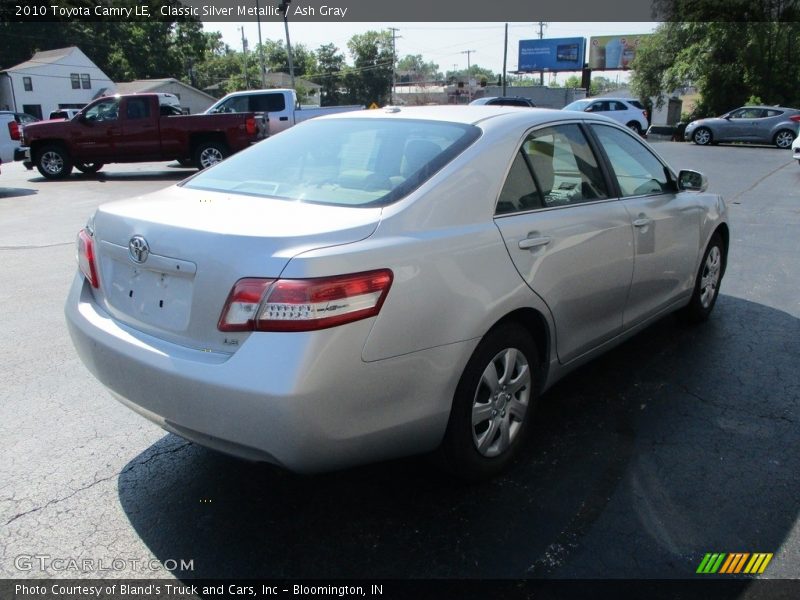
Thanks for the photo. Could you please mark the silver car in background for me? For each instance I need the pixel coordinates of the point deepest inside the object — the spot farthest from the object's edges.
(755, 124)
(391, 282)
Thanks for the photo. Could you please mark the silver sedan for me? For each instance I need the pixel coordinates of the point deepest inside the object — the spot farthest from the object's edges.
(372, 285)
(755, 124)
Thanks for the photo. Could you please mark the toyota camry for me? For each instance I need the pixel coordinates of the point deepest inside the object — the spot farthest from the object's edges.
(392, 282)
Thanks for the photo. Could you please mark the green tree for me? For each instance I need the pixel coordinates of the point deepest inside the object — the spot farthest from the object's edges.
(370, 78)
(330, 64)
(413, 69)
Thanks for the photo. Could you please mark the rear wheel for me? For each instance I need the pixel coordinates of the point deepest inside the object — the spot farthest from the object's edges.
(89, 168)
(53, 162)
(635, 127)
(706, 287)
(702, 137)
(207, 154)
(783, 139)
(493, 404)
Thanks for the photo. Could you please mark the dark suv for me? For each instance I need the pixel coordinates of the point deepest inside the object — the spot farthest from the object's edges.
(505, 101)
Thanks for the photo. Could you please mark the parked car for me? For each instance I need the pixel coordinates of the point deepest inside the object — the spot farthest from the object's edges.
(11, 124)
(378, 284)
(796, 149)
(630, 113)
(756, 124)
(132, 128)
(64, 113)
(505, 101)
(278, 109)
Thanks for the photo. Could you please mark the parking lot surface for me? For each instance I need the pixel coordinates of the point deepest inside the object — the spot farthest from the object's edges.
(680, 442)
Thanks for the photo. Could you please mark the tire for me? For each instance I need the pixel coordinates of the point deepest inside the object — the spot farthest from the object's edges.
(783, 139)
(706, 285)
(492, 406)
(703, 136)
(207, 154)
(53, 162)
(89, 168)
(635, 127)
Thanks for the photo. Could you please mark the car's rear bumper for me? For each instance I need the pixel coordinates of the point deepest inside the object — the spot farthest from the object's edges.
(304, 401)
(22, 153)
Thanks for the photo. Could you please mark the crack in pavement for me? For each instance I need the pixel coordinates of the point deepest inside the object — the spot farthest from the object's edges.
(97, 481)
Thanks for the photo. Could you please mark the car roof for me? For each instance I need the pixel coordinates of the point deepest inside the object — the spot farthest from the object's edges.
(471, 114)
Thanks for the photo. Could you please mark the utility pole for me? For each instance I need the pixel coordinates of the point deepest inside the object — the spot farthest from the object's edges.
(394, 31)
(261, 49)
(244, 60)
(283, 8)
(505, 58)
(542, 25)
(469, 72)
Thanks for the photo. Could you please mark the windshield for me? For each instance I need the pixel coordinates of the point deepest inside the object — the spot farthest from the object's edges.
(577, 105)
(345, 162)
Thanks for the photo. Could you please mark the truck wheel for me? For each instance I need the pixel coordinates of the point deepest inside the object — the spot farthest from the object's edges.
(207, 154)
(89, 168)
(54, 162)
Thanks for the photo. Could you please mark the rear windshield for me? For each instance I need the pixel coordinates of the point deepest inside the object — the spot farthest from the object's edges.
(345, 162)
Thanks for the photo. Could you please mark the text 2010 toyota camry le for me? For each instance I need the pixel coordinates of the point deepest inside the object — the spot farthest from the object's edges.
(377, 284)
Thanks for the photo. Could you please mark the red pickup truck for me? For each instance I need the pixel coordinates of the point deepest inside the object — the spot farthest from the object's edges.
(133, 128)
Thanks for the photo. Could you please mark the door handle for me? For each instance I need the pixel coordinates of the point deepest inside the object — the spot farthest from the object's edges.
(533, 242)
(642, 222)
(283, 119)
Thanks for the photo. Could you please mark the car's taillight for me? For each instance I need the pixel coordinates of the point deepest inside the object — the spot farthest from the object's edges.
(644, 113)
(304, 304)
(13, 130)
(795, 118)
(250, 126)
(87, 257)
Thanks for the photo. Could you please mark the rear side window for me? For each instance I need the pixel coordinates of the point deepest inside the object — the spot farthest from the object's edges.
(345, 162)
(637, 170)
(564, 166)
(519, 191)
(267, 103)
(137, 108)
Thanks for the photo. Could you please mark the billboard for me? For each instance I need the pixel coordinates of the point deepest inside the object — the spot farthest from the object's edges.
(609, 52)
(557, 54)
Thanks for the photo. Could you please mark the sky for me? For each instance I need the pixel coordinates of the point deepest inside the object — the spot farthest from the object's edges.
(441, 43)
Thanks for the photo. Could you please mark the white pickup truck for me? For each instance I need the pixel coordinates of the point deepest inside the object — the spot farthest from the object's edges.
(279, 107)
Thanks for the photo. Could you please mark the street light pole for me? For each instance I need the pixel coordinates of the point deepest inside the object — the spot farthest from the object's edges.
(283, 7)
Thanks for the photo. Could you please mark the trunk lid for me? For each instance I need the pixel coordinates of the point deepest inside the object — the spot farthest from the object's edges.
(194, 245)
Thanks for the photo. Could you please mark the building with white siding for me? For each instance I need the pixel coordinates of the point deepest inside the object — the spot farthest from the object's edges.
(192, 100)
(53, 79)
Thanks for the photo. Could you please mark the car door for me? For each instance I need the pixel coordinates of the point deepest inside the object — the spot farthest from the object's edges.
(94, 135)
(273, 104)
(567, 238)
(745, 123)
(140, 137)
(665, 224)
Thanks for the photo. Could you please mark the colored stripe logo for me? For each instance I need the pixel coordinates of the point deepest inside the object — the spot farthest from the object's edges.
(733, 563)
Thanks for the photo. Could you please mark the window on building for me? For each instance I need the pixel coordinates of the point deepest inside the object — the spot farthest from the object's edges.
(27, 84)
(76, 81)
(86, 81)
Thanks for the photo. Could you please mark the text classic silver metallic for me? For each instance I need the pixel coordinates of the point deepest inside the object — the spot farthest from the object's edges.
(377, 284)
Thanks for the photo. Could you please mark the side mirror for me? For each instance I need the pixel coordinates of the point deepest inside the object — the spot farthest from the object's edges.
(692, 181)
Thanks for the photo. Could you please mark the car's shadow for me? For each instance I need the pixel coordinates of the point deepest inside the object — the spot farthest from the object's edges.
(177, 174)
(16, 192)
(680, 442)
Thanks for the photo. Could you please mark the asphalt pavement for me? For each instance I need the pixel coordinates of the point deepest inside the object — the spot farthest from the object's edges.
(680, 442)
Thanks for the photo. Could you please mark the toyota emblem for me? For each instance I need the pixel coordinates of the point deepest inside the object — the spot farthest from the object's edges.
(138, 249)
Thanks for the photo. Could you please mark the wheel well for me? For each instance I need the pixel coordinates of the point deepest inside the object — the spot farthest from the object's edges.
(536, 325)
(200, 138)
(725, 234)
(38, 144)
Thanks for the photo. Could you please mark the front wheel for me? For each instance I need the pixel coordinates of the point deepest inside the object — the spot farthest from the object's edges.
(784, 139)
(706, 286)
(702, 137)
(54, 162)
(89, 168)
(208, 154)
(493, 404)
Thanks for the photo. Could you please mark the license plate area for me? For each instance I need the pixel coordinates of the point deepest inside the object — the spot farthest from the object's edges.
(160, 297)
